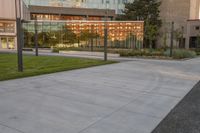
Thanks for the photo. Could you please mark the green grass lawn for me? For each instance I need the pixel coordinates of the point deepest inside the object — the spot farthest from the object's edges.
(42, 65)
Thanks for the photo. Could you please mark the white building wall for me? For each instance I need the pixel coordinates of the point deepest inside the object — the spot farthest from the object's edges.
(195, 9)
(7, 15)
(7, 9)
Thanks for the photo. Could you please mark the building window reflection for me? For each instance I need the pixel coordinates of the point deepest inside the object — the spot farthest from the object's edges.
(84, 31)
(7, 27)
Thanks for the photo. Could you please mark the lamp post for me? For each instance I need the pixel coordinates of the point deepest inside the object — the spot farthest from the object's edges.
(172, 39)
(92, 38)
(36, 36)
(182, 34)
(106, 32)
(19, 35)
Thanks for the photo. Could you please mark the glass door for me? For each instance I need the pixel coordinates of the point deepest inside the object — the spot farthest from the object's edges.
(4, 43)
(11, 43)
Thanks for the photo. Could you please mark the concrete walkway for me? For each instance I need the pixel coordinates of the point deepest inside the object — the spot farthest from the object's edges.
(128, 97)
(76, 54)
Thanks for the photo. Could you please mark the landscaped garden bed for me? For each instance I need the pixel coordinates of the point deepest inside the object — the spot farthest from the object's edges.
(142, 53)
(159, 54)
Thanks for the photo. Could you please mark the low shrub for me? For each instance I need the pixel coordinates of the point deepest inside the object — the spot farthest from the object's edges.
(197, 50)
(124, 53)
(27, 49)
(55, 50)
(143, 52)
(181, 53)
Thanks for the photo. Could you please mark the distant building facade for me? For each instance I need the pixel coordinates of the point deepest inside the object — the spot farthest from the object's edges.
(69, 13)
(117, 5)
(185, 14)
(122, 34)
(54, 17)
(7, 24)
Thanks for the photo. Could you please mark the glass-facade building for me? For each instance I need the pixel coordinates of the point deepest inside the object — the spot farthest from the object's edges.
(80, 25)
(117, 5)
(121, 34)
(64, 13)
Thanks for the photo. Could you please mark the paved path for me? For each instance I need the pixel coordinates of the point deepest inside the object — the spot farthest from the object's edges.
(128, 97)
(76, 54)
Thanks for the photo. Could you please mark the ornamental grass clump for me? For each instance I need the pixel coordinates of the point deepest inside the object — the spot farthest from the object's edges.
(181, 53)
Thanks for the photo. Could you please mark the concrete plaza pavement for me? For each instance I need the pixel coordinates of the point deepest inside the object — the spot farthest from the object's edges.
(73, 54)
(127, 97)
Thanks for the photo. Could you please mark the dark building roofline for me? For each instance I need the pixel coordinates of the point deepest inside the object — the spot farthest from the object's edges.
(7, 19)
(193, 20)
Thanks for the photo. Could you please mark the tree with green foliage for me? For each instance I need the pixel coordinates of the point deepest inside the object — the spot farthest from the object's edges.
(150, 33)
(69, 37)
(198, 41)
(28, 39)
(147, 11)
(177, 34)
(44, 39)
(85, 36)
(164, 46)
(53, 38)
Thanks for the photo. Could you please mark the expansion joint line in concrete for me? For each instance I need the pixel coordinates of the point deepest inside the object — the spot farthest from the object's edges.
(108, 115)
(15, 129)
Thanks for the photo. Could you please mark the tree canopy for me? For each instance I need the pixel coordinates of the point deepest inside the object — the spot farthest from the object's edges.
(143, 10)
(147, 11)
